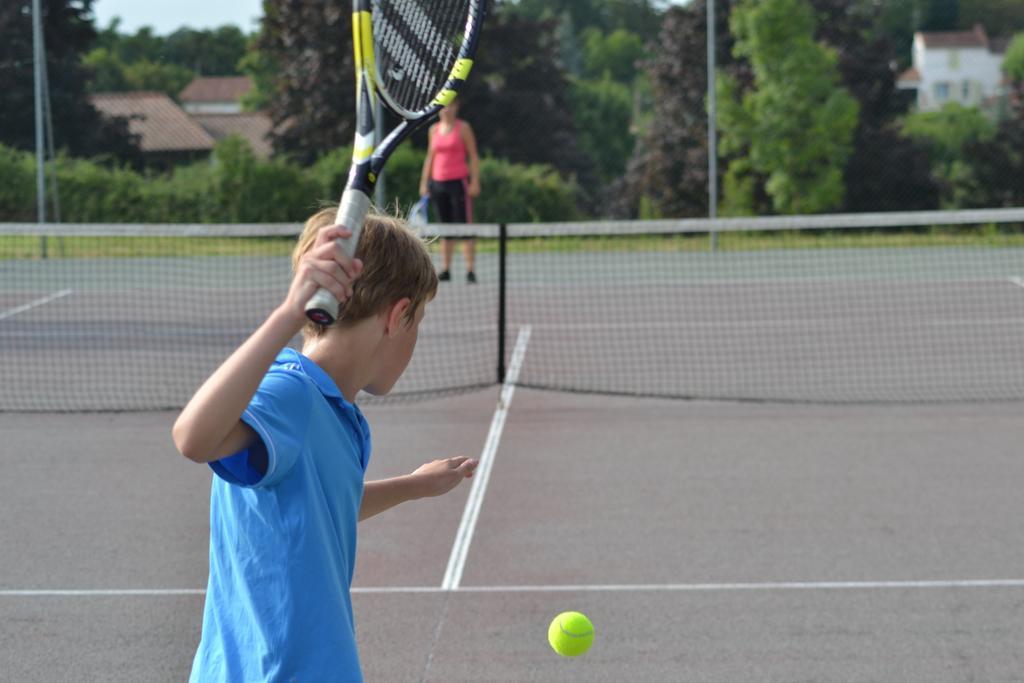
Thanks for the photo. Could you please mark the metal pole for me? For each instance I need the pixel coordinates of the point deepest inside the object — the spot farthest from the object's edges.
(712, 126)
(50, 144)
(37, 57)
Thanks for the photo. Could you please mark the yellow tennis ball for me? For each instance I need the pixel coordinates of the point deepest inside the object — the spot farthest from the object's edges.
(571, 634)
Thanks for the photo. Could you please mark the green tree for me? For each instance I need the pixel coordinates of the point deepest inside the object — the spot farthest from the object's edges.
(936, 15)
(402, 175)
(642, 17)
(517, 99)
(313, 98)
(947, 134)
(107, 71)
(947, 131)
(262, 69)
(17, 185)
(143, 44)
(146, 61)
(602, 110)
(110, 74)
(513, 192)
(997, 166)
(796, 126)
(1013, 66)
(999, 17)
(896, 26)
(69, 33)
(668, 172)
(568, 46)
(899, 19)
(245, 186)
(147, 75)
(525, 192)
(1013, 62)
(212, 52)
(887, 171)
(616, 54)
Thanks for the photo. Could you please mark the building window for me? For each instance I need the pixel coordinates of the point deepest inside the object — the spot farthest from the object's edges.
(954, 59)
(966, 91)
(941, 92)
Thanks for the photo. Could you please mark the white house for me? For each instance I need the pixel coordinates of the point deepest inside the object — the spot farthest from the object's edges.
(215, 103)
(955, 66)
(215, 94)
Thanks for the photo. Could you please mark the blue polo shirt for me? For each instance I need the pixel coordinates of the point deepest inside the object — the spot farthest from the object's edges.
(283, 517)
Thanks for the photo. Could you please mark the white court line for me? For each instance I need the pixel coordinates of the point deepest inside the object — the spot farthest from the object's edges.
(33, 304)
(1017, 281)
(868, 278)
(464, 536)
(125, 592)
(597, 588)
(634, 325)
(772, 322)
(707, 587)
(722, 587)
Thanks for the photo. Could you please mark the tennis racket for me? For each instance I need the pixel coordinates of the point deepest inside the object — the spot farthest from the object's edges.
(419, 214)
(415, 56)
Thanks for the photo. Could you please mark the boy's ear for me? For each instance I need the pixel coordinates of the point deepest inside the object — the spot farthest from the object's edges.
(397, 316)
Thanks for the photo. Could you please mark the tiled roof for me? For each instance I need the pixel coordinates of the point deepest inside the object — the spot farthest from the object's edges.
(216, 89)
(162, 126)
(253, 127)
(911, 75)
(956, 39)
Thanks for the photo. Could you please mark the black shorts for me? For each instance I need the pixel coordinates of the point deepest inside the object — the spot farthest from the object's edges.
(451, 200)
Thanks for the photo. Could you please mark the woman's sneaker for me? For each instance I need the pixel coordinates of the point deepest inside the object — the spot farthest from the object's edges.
(444, 276)
(471, 277)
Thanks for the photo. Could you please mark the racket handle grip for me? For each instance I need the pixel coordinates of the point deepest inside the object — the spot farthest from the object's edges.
(322, 307)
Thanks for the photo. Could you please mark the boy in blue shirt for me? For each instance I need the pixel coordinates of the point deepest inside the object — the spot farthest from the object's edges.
(289, 448)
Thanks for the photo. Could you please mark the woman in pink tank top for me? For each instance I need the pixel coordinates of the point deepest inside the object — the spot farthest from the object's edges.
(451, 176)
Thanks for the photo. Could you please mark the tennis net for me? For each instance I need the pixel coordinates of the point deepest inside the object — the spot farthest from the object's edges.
(861, 308)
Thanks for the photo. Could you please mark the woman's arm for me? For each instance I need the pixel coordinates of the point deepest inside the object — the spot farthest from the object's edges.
(432, 479)
(469, 139)
(210, 425)
(428, 162)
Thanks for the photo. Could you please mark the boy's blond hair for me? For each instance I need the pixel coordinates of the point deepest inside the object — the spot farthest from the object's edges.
(396, 265)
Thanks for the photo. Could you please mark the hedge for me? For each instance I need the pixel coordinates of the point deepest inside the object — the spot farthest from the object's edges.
(235, 186)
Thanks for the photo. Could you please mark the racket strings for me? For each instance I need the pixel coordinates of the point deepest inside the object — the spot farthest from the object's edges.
(417, 43)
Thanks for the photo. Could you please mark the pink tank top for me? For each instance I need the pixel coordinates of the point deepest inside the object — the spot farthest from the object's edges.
(449, 154)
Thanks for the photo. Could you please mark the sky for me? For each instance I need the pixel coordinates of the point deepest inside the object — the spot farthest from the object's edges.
(166, 16)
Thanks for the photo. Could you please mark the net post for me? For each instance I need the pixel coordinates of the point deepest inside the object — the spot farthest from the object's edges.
(502, 244)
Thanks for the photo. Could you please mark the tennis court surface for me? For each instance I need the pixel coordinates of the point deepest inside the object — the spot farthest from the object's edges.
(819, 482)
(707, 541)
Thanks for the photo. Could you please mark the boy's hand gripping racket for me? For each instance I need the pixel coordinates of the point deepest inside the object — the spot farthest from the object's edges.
(415, 55)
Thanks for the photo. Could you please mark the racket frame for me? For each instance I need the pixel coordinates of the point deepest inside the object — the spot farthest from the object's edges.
(369, 156)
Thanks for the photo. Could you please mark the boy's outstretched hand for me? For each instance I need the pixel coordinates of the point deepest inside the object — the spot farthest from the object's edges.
(432, 479)
(325, 265)
(441, 476)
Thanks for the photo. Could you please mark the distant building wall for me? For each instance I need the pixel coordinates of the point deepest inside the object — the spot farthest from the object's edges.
(212, 107)
(954, 67)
